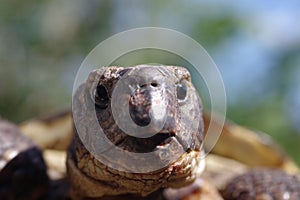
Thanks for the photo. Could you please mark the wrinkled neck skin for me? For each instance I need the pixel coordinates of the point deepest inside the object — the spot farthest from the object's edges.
(156, 96)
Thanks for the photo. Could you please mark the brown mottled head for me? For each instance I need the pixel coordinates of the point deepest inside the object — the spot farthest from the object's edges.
(158, 100)
(139, 120)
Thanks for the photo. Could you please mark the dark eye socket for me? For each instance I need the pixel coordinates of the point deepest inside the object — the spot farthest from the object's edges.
(181, 91)
(101, 97)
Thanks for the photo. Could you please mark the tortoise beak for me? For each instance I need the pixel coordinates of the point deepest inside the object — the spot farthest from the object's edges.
(150, 104)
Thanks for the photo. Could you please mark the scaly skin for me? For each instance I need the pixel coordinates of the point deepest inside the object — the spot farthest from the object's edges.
(263, 184)
(165, 83)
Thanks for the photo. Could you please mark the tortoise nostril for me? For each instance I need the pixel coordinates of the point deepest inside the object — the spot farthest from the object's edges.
(154, 84)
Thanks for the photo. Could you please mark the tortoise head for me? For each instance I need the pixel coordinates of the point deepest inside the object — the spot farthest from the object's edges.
(139, 120)
(145, 107)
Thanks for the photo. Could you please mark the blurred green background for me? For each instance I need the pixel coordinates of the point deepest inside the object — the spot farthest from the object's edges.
(255, 44)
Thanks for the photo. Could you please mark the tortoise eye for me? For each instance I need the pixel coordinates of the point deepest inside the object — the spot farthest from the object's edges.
(101, 97)
(181, 91)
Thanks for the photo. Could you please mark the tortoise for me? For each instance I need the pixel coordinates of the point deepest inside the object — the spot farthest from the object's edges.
(164, 121)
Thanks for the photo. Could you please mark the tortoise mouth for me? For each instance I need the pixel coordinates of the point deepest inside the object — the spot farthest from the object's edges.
(146, 145)
(162, 139)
